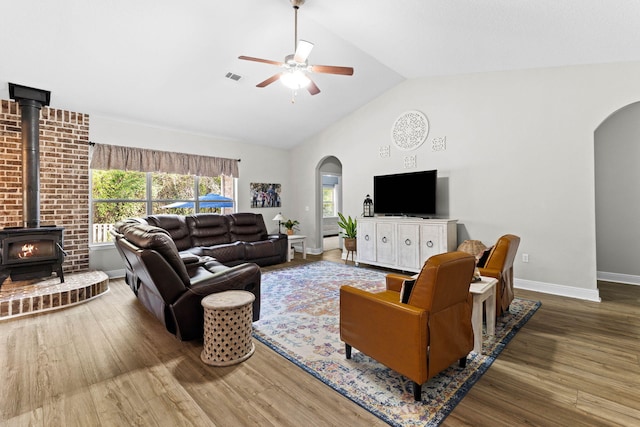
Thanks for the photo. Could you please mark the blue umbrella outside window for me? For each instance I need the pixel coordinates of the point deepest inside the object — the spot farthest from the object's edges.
(210, 200)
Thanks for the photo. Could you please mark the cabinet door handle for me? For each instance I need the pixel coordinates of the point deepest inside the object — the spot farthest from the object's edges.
(366, 237)
(384, 240)
(407, 242)
(429, 244)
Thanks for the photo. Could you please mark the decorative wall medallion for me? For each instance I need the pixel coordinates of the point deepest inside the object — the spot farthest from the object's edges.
(410, 130)
(384, 151)
(439, 144)
(410, 162)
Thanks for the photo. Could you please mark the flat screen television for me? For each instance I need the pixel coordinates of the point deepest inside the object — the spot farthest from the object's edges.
(410, 194)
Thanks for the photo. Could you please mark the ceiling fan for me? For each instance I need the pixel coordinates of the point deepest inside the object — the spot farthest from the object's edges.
(296, 66)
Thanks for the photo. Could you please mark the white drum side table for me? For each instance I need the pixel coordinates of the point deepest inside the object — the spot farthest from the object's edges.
(227, 328)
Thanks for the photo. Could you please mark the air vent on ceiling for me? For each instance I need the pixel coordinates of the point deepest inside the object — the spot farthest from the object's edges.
(233, 76)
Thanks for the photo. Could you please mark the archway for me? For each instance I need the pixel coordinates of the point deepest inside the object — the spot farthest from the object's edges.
(616, 150)
(328, 198)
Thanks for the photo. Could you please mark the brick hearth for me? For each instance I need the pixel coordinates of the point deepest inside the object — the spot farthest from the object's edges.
(33, 296)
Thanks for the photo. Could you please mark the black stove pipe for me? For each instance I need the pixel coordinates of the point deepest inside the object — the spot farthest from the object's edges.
(30, 111)
(31, 101)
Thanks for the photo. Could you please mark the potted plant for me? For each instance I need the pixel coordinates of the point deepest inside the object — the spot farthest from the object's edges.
(350, 230)
(290, 225)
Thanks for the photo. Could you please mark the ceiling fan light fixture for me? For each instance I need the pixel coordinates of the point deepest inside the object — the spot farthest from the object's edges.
(297, 65)
(295, 79)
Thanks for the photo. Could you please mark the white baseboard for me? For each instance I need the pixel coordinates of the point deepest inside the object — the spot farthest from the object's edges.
(627, 279)
(561, 290)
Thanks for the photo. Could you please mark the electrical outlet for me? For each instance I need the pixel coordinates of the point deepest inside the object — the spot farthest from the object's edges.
(525, 257)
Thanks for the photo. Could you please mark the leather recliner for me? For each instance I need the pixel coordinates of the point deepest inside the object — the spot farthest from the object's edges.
(499, 265)
(171, 285)
(422, 337)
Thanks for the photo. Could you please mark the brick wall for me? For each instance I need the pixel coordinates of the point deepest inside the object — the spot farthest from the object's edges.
(64, 176)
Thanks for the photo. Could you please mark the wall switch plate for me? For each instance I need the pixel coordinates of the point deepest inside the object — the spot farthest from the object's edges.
(525, 257)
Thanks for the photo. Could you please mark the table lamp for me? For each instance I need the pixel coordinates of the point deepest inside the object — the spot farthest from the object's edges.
(278, 218)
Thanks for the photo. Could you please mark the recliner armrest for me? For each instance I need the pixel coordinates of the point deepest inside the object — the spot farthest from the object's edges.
(193, 262)
(490, 272)
(189, 259)
(206, 282)
(277, 236)
(394, 281)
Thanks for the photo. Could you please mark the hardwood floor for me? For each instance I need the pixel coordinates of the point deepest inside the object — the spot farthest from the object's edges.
(109, 362)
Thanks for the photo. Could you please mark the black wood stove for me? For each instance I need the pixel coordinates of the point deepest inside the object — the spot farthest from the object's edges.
(32, 251)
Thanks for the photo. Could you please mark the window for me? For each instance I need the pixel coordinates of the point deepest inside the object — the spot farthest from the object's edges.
(329, 201)
(118, 194)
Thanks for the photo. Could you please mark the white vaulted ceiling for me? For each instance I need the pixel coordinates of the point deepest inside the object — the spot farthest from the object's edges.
(164, 62)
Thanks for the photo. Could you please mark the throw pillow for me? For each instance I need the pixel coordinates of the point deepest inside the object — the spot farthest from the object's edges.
(482, 260)
(405, 291)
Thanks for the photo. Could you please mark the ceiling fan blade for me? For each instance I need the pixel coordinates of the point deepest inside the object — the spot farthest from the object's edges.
(302, 51)
(266, 61)
(313, 88)
(269, 80)
(330, 69)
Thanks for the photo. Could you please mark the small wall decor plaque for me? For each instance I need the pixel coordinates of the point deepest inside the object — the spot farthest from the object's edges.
(439, 144)
(410, 162)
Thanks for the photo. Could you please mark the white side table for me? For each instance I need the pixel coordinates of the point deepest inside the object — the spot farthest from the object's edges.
(293, 239)
(484, 292)
(228, 320)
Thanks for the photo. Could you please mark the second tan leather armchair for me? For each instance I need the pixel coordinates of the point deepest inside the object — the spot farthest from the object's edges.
(499, 265)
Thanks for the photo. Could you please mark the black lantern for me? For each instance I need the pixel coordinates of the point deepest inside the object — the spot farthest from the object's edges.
(367, 207)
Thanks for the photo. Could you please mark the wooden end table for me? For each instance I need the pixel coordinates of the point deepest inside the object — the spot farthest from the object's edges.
(293, 239)
(484, 293)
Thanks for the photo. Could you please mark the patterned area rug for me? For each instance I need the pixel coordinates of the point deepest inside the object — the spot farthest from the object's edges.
(299, 320)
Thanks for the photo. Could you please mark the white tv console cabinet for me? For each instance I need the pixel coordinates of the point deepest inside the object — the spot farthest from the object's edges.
(403, 243)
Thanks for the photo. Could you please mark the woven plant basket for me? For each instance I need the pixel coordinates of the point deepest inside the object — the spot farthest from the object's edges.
(350, 244)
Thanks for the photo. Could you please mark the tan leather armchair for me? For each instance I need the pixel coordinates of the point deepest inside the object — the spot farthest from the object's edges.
(499, 265)
(423, 337)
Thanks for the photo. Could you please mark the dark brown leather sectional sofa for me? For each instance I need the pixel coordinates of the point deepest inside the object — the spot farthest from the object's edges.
(231, 239)
(174, 261)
